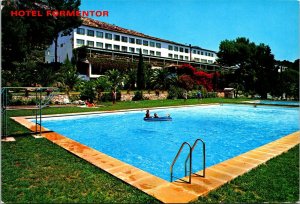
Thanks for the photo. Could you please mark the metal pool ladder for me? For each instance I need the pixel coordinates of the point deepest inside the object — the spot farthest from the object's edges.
(189, 158)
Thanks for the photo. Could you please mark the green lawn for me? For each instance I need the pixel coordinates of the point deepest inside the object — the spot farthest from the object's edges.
(38, 171)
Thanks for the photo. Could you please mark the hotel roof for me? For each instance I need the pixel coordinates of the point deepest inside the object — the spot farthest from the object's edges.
(106, 26)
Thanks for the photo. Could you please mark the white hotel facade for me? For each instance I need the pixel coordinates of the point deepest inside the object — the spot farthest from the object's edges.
(111, 40)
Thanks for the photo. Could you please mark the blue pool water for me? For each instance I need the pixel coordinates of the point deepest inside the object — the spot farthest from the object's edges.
(288, 103)
(227, 130)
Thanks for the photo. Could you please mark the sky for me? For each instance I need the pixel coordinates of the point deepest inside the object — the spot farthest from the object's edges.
(205, 23)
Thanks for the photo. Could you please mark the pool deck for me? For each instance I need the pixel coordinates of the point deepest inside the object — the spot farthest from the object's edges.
(177, 191)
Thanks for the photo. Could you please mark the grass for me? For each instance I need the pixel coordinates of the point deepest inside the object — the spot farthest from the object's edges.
(38, 171)
(276, 181)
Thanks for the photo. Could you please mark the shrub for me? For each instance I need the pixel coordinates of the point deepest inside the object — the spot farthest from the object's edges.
(74, 97)
(138, 95)
(175, 92)
(107, 96)
(88, 91)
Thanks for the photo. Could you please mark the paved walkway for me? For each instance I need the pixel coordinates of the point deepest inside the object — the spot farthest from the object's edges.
(177, 191)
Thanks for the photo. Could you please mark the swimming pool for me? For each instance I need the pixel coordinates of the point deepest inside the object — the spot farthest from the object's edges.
(228, 131)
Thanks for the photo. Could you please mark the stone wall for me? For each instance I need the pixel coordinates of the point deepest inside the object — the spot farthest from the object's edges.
(147, 96)
(57, 99)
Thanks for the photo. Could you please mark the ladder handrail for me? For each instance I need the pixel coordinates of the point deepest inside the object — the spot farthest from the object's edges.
(46, 100)
(176, 157)
(204, 156)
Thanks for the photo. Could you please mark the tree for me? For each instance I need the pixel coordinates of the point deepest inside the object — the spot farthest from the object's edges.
(102, 84)
(115, 78)
(265, 71)
(130, 79)
(21, 36)
(160, 78)
(256, 70)
(140, 79)
(186, 82)
(68, 76)
(288, 79)
(88, 92)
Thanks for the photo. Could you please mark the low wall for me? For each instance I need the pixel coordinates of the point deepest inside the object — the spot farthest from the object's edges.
(147, 96)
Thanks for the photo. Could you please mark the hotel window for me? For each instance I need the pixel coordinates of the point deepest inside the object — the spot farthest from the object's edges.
(186, 58)
(152, 52)
(145, 42)
(170, 55)
(212, 54)
(131, 49)
(116, 47)
(210, 61)
(196, 59)
(124, 48)
(181, 57)
(124, 39)
(108, 46)
(203, 60)
(175, 56)
(170, 47)
(138, 41)
(117, 37)
(90, 43)
(99, 34)
(80, 31)
(138, 50)
(91, 33)
(198, 52)
(205, 53)
(145, 52)
(132, 40)
(201, 53)
(99, 44)
(80, 42)
(152, 44)
(158, 54)
(108, 36)
(158, 45)
(194, 51)
(175, 48)
(186, 50)
(180, 49)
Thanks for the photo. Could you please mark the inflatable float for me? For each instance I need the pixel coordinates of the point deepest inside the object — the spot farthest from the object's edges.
(151, 119)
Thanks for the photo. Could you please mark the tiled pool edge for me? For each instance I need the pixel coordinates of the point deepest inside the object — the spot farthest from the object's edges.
(175, 192)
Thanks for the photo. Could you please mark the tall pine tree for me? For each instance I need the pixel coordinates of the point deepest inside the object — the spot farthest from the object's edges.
(140, 79)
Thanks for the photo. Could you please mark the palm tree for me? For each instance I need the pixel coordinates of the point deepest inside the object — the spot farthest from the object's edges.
(160, 78)
(130, 79)
(102, 84)
(115, 78)
(68, 76)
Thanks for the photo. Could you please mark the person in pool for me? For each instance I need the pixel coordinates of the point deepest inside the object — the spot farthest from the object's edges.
(155, 115)
(147, 114)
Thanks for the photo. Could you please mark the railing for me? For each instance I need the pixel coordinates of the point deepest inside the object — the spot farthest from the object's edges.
(189, 158)
(40, 104)
(176, 157)
(203, 159)
(4, 121)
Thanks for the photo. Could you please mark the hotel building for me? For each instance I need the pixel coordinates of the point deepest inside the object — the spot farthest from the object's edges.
(115, 43)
